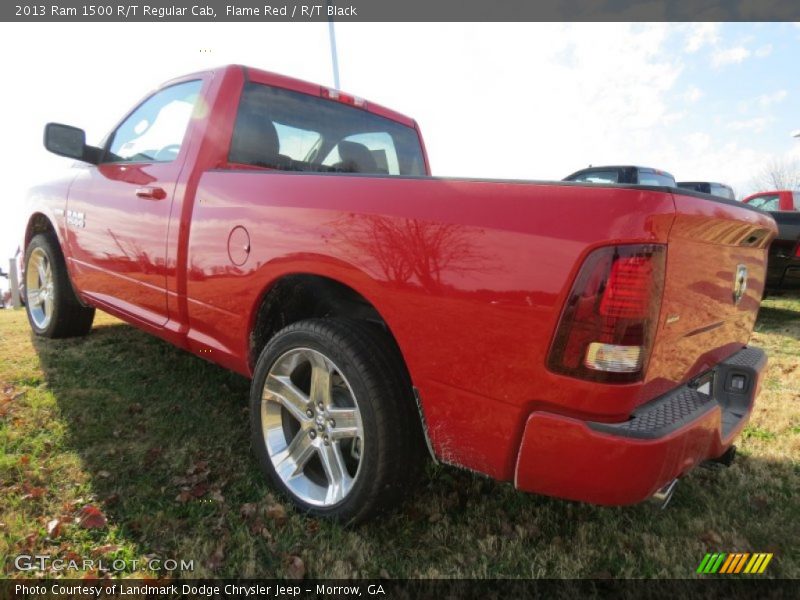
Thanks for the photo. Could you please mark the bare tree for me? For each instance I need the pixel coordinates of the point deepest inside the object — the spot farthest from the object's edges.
(409, 250)
(778, 174)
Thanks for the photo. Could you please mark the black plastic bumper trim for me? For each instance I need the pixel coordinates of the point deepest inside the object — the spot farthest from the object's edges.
(670, 412)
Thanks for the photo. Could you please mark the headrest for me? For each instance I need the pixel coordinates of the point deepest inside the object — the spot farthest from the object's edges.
(357, 157)
(255, 139)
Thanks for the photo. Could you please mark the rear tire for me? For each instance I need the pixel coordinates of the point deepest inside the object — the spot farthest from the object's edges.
(333, 422)
(53, 309)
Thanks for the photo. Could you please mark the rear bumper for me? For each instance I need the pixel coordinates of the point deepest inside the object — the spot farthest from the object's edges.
(625, 463)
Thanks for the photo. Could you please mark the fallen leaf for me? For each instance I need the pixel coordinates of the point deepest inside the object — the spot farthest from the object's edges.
(197, 467)
(183, 497)
(200, 490)
(217, 496)
(30, 541)
(53, 528)
(91, 517)
(257, 526)
(295, 567)
(277, 513)
(216, 559)
(312, 526)
(33, 493)
(25, 459)
(711, 538)
(152, 455)
(248, 510)
(105, 550)
(384, 574)
(111, 500)
(104, 474)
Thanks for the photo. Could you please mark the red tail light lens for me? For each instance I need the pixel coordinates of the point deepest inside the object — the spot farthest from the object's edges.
(609, 321)
(797, 251)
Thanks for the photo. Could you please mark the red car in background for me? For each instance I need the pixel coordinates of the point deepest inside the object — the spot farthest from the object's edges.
(587, 342)
(783, 267)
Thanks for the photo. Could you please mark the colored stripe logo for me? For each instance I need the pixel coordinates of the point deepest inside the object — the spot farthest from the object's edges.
(735, 563)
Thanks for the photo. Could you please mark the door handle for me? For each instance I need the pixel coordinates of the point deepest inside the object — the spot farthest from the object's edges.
(151, 193)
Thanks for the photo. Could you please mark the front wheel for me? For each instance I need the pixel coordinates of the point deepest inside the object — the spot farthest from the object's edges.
(50, 302)
(332, 426)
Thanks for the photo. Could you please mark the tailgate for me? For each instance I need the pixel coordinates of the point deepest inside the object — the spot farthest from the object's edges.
(716, 267)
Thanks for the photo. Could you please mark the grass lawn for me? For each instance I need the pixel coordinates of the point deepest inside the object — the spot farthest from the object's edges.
(119, 446)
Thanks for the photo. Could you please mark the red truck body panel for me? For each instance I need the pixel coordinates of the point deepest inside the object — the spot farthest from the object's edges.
(470, 277)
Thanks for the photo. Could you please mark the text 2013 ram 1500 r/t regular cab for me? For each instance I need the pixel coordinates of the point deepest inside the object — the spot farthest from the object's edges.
(584, 342)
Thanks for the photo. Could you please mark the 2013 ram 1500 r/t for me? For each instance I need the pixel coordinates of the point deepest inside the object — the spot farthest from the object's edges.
(584, 342)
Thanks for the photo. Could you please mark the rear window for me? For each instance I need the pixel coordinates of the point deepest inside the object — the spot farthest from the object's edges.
(653, 178)
(723, 191)
(697, 187)
(766, 202)
(611, 176)
(286, 130)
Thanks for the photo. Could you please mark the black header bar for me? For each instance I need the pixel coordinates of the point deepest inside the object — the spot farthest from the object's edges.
(400, 10)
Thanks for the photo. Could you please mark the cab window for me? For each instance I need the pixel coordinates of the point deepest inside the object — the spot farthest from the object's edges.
(291, 131)
(154, 131)
(767, 202)
(597, 177)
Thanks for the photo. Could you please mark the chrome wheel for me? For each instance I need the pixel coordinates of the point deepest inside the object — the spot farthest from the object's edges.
(312, 427)
(39, 288)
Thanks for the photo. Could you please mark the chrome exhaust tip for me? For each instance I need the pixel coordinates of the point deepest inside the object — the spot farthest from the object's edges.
(662, 497)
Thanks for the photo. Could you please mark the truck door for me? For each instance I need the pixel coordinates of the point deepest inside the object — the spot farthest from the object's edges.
(118, 211)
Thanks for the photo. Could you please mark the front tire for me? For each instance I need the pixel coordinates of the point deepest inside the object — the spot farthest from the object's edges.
(53, 309)
(332, 420)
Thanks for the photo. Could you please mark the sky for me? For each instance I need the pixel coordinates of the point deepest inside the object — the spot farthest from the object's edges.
(704, 101)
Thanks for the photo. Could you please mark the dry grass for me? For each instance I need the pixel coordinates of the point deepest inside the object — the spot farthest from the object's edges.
(125, 423)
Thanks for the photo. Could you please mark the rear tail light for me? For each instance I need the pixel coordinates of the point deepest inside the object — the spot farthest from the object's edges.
(797, 251)
(609, 321)
(332, 94)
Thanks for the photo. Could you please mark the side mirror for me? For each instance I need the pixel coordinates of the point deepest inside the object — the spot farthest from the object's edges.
(68, 141)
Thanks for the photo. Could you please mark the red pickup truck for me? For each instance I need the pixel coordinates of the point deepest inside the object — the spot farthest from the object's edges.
(584, 342)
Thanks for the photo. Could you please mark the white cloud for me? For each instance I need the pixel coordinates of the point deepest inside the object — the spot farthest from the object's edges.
(764, 51)
(767, 100)
(754, 125)
(729, 56)
(693, 94)
(701, 34)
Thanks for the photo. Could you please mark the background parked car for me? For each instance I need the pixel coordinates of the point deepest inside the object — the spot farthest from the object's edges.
(783, 268)
(623, 174)
(777, 200)
(709, 187)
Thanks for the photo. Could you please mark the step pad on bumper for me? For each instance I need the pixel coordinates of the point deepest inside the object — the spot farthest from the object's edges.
(732, 382)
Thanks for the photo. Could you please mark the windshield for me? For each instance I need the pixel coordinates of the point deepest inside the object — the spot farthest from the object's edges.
(290, 131)
(653, 178)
